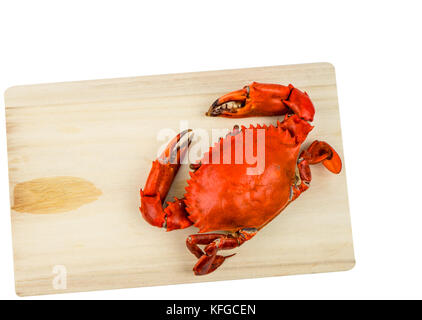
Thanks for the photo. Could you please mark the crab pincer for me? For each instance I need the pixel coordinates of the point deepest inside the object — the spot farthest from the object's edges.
(322, 152)
(176, 149)
(262, 99)
(159, 181)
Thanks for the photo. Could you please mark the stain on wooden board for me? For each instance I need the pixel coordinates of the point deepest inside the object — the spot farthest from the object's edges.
(53, 195)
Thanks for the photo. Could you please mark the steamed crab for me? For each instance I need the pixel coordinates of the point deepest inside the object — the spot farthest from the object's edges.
(223, 196)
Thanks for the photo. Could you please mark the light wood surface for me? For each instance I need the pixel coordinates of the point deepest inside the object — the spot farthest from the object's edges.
(101, 136)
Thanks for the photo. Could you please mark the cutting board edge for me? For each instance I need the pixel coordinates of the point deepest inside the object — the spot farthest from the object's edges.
(329, 268)
(10, 90)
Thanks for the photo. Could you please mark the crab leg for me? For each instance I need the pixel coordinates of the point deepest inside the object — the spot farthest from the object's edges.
(321, 151)
(208, 260)
(317, 152)
(159, 181)
(262, 99)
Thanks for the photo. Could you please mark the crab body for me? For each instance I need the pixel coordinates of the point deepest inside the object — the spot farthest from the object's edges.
(225, 197)
(226, 191)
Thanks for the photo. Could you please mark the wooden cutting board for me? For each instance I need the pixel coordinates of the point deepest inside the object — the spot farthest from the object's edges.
(80, 151)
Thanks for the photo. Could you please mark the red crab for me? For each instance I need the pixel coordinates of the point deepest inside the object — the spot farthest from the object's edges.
(224, 196)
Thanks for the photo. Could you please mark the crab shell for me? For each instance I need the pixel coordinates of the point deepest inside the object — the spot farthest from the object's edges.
(227, 197)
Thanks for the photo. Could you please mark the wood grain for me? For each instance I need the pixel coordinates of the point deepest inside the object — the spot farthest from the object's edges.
(105, 132)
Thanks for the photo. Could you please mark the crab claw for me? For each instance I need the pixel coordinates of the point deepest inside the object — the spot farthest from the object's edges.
(166, 166)
(320, 151)
(229, 104)
(260, 99)
(160, 178)
(176, 150)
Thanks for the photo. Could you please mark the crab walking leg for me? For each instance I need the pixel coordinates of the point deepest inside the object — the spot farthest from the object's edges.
(194, 240)
(159, 181)
(208, 260)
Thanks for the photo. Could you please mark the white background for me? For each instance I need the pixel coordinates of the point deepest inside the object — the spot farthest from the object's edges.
(376, 49)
